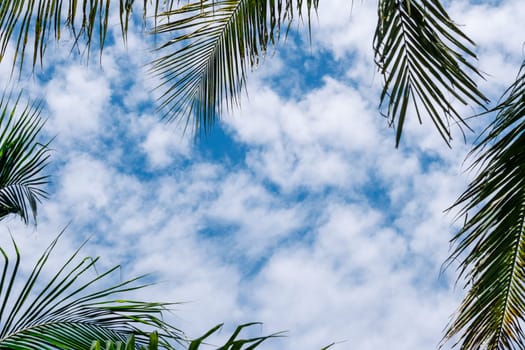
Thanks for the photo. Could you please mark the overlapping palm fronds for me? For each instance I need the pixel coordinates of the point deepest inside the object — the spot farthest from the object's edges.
(129, 344)
(491, 245)
(30, 25)
(424, 58)
(22, 160)
(71, 311)
(232, 343)
(212, 45)
(33, 22)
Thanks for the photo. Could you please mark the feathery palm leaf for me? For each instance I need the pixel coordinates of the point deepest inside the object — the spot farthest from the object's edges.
(213, 44)
(423, 56)
(233, 343)
(35, 22)
(22, 160)
(129, 344)
(67, 313)
(491, 245)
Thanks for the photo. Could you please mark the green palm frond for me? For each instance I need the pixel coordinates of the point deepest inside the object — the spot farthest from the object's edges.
(424, 58)
(70, 311)
(22, 160)
(212, 45)
(35, 22)
(233, 343)
(31, 25)
(491, 245)
(129, 344)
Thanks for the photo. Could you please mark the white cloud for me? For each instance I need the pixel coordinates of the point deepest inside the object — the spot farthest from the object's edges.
(316, 141)
(78, 100)
(353, 285)
(163, 143)
(346, 27)
(261, 219)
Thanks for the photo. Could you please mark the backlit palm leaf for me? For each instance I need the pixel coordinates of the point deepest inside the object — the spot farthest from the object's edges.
(491, 244)
(70, 311)
(33, 22)
(22, 160)
(233, 343)
(212, 45)
(30, 25)
(424, 58)
(129, 344)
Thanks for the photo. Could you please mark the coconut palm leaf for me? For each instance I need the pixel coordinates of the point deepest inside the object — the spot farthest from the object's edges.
(29, 25)
(425, 60)
(233, 343)
(491, 245)
(212, 45)
(129, 344)
(22, 160)
(72, 310)
(222, 39)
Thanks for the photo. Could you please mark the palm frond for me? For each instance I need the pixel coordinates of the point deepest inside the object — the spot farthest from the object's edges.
(22, 160)
(233, 342)
(70, 311)
(424, 58)
(35, 22)
(491, 245)
(30, 25)
(212, 45)
(129, 344)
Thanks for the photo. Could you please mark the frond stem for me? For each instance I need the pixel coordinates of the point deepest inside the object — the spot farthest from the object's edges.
(514, 271)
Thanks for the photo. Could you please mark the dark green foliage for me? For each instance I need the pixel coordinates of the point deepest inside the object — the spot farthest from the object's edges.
(72, 310)
(207, 48)
(35, 22)
(491, 245)
(424, 59)
(212, 46)
(233, 343)
(22, 160)
(129, 344)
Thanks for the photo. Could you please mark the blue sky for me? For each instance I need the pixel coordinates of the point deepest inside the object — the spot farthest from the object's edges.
(297, 211)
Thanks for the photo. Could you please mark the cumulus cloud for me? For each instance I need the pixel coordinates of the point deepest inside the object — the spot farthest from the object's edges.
(358, 276)
(77, 100)
(164, 143)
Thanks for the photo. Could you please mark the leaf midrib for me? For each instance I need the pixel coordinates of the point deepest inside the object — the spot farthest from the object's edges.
(513, 272)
